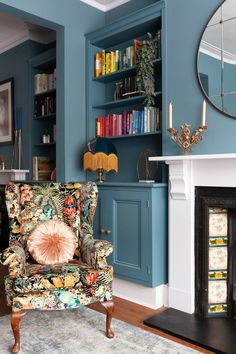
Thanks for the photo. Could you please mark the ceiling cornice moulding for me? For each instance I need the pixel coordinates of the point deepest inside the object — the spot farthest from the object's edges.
(13, 41)
(215, 52)
(105, 7)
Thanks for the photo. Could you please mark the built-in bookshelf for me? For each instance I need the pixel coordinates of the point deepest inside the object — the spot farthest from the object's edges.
(134, 213)
(43, 112)
(112, 97)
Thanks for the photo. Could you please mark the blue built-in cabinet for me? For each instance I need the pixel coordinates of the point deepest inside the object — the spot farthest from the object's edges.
(134, 218)
(132, 215)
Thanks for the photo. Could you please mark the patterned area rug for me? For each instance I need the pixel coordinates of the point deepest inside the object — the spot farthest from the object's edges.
(81, 331)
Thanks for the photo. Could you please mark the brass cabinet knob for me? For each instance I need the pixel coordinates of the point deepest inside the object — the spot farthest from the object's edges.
(105, 232)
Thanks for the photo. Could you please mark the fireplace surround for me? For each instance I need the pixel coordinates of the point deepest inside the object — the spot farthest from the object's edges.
(215, 251)
(185, 174)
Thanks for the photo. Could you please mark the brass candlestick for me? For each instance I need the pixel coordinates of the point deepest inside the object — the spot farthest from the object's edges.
(185, 140)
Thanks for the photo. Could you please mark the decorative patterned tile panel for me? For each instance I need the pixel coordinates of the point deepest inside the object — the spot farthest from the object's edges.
(217, 210)
(218, 241)
(218, 224)
(217, 291)
(218, 274)
(217, 308)
(218, 257)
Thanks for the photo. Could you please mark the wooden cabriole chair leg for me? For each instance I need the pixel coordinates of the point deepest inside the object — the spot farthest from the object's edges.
(16, 317)
(109, 306)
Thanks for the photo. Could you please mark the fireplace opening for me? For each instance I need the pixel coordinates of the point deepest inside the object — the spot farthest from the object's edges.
(215, 251)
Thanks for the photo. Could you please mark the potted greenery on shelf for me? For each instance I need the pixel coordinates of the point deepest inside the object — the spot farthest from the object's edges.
(147, 53)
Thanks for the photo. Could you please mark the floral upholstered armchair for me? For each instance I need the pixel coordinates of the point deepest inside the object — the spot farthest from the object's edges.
(54, 262)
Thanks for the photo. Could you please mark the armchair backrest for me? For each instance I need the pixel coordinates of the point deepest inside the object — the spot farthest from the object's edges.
(31, 203)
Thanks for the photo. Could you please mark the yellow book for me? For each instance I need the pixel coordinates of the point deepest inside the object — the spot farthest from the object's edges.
(108, 63)
(103, 62)
(113, 57)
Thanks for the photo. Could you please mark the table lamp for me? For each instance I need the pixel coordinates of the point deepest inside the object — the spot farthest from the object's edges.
(100, 157)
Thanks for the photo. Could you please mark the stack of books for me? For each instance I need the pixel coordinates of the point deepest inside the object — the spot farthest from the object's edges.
(44, 106)
(42, 168)
(129, 122)
(109, 61)
(44, 82)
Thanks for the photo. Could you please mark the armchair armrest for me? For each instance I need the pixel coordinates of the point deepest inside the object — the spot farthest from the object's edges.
(94, 252)
(14, 258)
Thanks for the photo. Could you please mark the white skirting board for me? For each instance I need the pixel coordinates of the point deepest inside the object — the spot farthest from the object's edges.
(142, 295)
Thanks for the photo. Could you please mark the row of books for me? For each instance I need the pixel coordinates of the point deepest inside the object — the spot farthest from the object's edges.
(44, 106)
(43, 167)
(127, 87)
(44, 82)
(129, 122)
(107, 62)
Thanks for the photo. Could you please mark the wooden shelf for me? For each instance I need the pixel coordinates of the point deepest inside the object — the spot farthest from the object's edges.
(45, 144)
(124, 102)
(48, 116)
(120, 73)
(134, 135)
(46, 93)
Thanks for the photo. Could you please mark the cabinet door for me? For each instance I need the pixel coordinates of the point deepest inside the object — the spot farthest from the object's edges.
(124, 221)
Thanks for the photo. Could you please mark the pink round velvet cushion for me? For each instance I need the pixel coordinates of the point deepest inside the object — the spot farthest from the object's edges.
(52, 242)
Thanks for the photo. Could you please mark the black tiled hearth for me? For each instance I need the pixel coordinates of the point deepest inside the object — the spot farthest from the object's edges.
(215, 334)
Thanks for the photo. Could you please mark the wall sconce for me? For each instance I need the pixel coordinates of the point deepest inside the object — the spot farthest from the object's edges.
(101, 157)
(185, 139)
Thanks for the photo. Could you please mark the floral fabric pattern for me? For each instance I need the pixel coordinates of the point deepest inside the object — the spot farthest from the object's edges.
(14, 258)
(85, 279)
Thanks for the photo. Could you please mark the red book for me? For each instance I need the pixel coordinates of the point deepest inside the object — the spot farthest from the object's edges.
(107, 125)
(102, 126)
(136, 46)
(110, 125)
(115, 125)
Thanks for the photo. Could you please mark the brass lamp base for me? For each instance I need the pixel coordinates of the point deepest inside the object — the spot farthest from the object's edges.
(101, 174)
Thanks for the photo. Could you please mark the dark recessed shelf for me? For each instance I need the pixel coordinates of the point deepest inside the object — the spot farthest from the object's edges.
(124, 102)
(134, 135)
(48, 116)
(120, 73)
(45, 144)
(46, 93)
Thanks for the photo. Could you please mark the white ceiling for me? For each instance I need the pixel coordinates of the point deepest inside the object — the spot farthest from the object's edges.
(105, 5)
(14, 31)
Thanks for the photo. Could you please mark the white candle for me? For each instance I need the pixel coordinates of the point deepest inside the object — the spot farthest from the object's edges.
(170, 115)
(204, 113)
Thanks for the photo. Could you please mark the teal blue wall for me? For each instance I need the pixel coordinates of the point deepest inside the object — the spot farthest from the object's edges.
(72, 19)
(186, 20)
(14, 63)
(184, 24)
(127, 8)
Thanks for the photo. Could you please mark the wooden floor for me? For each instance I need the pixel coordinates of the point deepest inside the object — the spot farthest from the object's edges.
(126, 311)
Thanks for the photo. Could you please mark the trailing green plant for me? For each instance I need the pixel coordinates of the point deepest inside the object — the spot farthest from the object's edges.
(147, 53)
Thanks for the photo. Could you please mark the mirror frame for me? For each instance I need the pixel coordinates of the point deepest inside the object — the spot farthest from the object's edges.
(198, 73)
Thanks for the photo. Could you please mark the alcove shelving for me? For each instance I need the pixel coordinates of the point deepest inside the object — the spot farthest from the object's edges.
(132, 215)
(43, 115)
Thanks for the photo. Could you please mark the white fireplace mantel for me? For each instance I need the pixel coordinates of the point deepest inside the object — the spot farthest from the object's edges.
(185, 173)
(12, 175)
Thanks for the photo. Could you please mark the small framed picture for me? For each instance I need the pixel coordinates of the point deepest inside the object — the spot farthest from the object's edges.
(6, 111)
